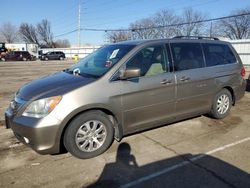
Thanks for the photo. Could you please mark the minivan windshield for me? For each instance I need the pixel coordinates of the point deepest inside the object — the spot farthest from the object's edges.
(100, 61)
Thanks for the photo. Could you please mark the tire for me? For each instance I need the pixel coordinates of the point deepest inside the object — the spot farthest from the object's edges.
(24, 59)
(222, 104)
(82, 141)
(46, 59)
(3, 59)
(61, 58)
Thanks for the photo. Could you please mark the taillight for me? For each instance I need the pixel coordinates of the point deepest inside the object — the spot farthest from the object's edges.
(243, 72)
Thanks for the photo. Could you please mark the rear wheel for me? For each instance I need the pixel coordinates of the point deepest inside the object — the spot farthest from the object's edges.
(89, 134)
(222, 104)
(46, 59)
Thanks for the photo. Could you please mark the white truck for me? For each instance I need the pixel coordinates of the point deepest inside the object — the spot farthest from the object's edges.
(30, 47)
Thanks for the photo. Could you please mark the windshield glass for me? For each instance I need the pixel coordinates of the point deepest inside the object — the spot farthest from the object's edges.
(100, 61)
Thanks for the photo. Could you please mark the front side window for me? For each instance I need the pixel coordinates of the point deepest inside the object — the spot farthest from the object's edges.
(187, 56)
(150, 60)
(218, 54)
(102, 60)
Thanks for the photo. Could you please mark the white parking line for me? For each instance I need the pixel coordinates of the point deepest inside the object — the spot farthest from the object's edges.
(184, 163)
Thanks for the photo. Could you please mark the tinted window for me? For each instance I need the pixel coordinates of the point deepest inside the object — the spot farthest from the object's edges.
(218, 54)
(187, 56)
(150, 60)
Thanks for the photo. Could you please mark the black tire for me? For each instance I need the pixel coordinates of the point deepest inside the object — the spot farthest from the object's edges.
(215, 111)
(46, 59)
(77, 123)
(61, 58)
(3, 59)
(24, 59)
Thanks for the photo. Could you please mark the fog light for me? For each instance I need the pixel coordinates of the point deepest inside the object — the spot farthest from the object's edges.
(26, 140)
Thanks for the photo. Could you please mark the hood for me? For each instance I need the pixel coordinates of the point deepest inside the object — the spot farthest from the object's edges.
(52, 85)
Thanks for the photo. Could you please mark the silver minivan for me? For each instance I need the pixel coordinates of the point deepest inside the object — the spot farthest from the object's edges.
(125, 88)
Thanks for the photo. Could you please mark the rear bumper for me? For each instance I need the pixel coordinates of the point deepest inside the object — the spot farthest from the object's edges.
(39, 134)
(239, 91)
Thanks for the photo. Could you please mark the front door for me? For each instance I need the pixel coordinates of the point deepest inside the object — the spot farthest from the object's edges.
(149, 100)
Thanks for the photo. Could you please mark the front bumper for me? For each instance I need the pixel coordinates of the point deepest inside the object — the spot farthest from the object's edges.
(39, 134)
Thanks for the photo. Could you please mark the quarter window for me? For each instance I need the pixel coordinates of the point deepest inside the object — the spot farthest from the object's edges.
(150, 60)
(187, 56)
(218, 54)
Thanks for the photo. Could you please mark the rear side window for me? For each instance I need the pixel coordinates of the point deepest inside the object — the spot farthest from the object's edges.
(218, 54)
(187, 56)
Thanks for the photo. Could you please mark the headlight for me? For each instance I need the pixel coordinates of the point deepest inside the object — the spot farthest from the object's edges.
(42, 107)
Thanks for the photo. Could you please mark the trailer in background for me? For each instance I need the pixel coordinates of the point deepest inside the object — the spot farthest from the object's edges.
(30, 47)
(81, 52)
(243, 49)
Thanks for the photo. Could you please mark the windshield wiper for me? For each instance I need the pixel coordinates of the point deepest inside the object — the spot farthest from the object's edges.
(81, 74)
(67, 70)
(88, 75)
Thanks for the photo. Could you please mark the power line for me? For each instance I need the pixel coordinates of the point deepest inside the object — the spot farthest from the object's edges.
(67, 33)
(157, 27)
(62, 23)
(171, 25)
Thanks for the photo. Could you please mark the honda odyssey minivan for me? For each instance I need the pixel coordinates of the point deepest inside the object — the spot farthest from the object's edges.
(124, 88)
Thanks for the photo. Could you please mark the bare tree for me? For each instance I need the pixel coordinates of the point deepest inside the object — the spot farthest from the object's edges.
(236, 27)
(190, 28)
(9, 32)
(62, 43)
(45, 33)
(144, 29)
(166, 18)
(28, 33)
(117, 36)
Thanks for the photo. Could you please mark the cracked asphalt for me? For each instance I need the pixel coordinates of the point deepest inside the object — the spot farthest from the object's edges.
(199, 152)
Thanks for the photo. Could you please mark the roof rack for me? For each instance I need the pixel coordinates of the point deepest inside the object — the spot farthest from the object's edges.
(195, 37)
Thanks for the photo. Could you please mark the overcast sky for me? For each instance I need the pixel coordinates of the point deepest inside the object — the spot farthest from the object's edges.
(104, 14)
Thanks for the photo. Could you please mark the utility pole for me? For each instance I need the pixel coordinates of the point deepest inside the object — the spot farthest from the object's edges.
(79, 25)
(211, 29)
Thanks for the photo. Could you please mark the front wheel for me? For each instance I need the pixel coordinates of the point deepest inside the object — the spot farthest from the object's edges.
(89, 134)
(222, 104)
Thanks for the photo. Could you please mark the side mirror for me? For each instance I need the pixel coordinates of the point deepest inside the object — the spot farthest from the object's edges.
(129, 73)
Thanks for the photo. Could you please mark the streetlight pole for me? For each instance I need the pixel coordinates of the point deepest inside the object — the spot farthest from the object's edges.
(79, 25)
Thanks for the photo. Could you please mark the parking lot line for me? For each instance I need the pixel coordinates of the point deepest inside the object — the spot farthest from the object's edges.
(181, 164)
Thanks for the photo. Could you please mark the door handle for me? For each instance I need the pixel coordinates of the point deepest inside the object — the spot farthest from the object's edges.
(166, 81)
(184, 78)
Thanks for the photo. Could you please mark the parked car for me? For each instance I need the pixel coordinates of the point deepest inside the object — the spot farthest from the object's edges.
(56, 55)
(18, 56)
(125, 88)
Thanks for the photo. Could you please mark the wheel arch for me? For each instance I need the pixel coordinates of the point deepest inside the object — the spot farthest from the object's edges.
(230, 89)
(118, 134)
